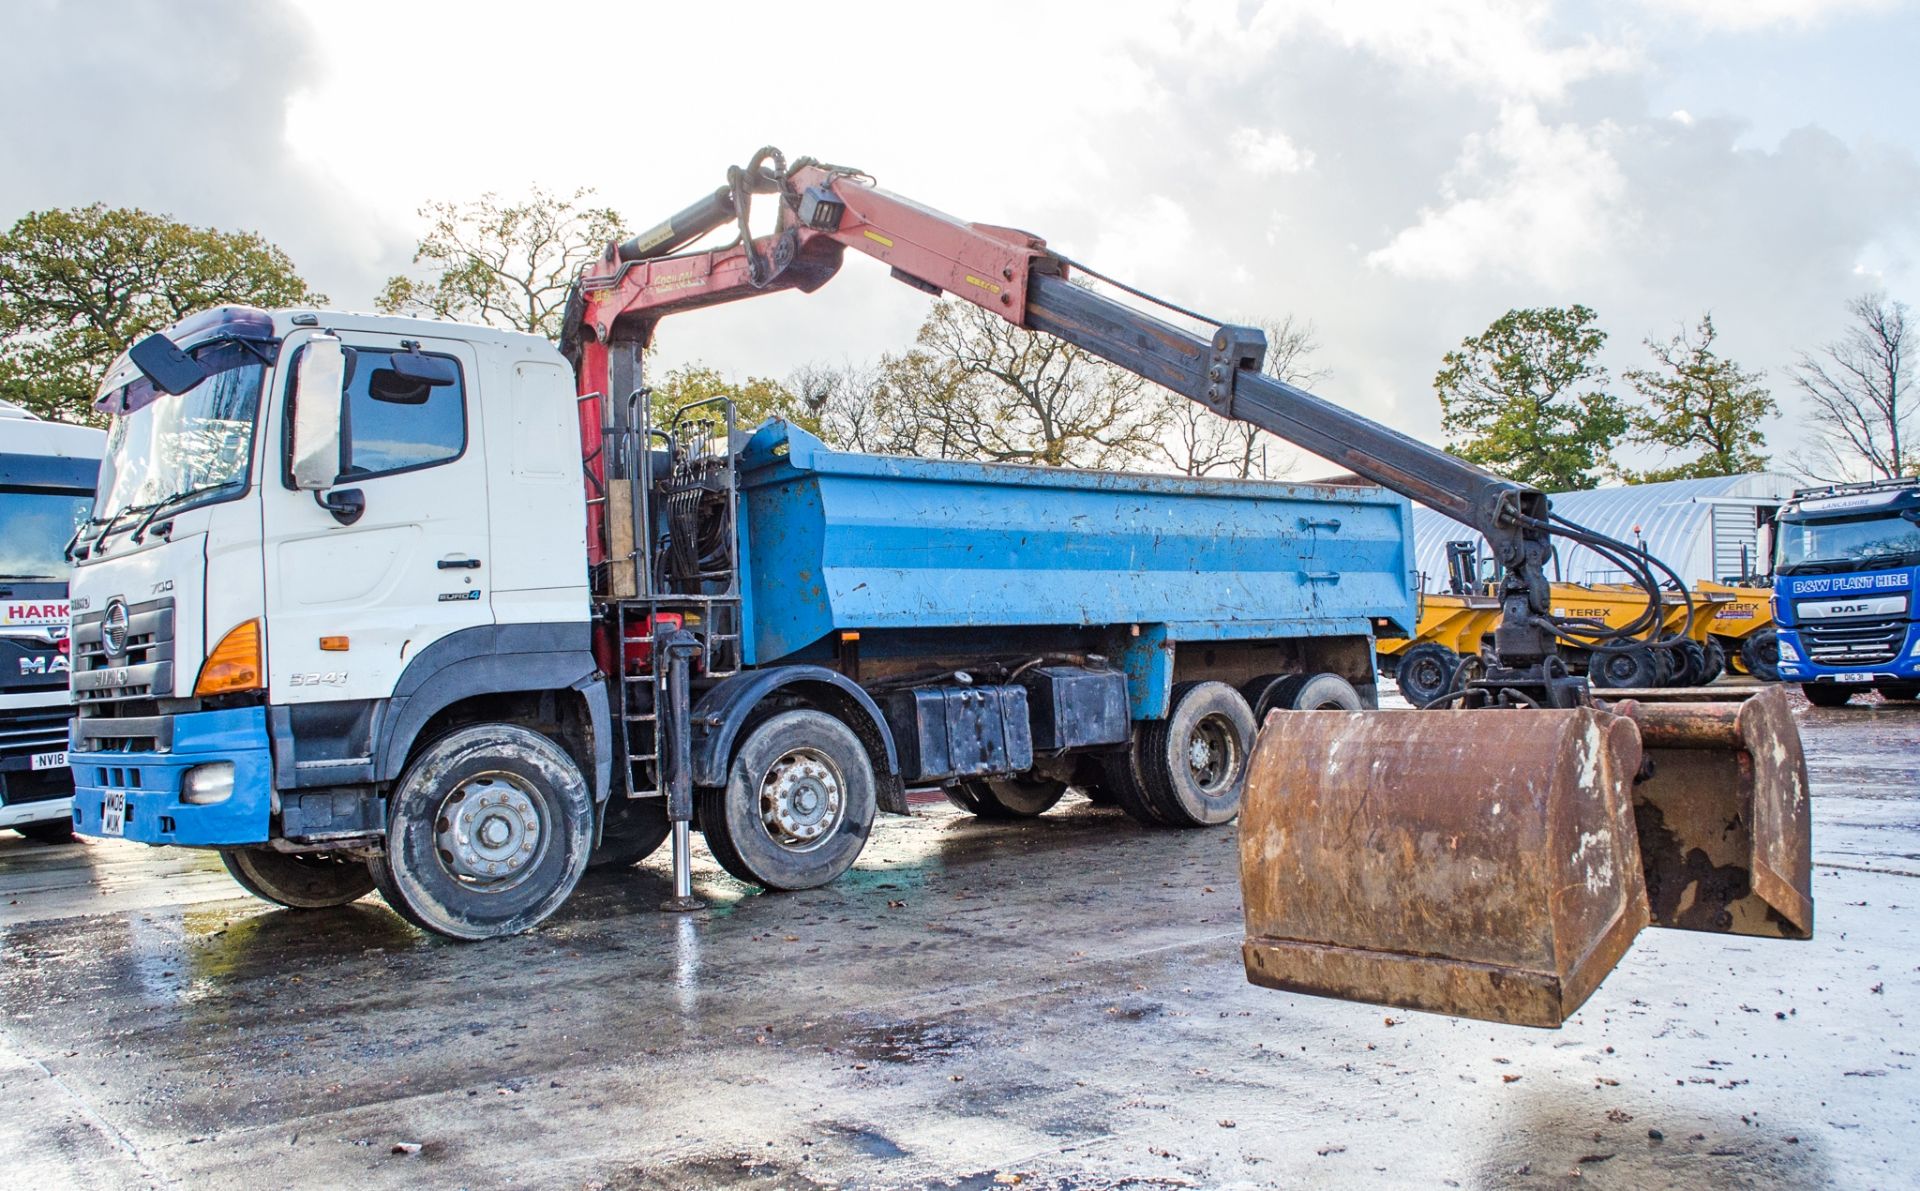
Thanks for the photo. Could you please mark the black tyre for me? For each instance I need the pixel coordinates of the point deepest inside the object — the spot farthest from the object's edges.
(1899, 692)
(798, 804)
(298, 880)
(1271, 692)
(1426, 672)
(1692, 657)
(1632, 668)
(490, 829)
(1761, 653)
(1327, 692)
(1007, 798)
(1716, 661)
(59, 831)
(1829, 694)
(1194, 763)
(635, 829)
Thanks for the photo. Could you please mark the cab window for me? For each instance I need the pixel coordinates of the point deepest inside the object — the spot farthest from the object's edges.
(394, 422)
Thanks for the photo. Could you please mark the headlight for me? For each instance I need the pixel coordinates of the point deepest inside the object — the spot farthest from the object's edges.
(204, 785)
(1788, 653)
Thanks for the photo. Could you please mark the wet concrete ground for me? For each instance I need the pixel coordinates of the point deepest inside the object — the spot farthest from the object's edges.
(1057, 1003)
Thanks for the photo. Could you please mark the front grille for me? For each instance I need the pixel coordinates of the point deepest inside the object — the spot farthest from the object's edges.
(142, 671)
(42, 730)
(1862, 643)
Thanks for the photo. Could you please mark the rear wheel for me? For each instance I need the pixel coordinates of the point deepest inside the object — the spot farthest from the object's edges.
(1692, 657)
(1761, 653)
(1271, 692)
(1426, 672)
(1328, 692)
(635, 829)
(1193, 764)
(491, 828)
(1006, 797)
(798, 804)
(1829, 694)
(60, 831)
(298, 880)
(1633, 667)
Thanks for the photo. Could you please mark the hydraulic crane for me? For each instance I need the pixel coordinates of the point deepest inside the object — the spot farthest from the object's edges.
(1494, 865)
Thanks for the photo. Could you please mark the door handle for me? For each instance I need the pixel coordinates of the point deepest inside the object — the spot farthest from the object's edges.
(458, 564)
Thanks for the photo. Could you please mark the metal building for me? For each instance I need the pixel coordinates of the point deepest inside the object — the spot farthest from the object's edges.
(1704, 529)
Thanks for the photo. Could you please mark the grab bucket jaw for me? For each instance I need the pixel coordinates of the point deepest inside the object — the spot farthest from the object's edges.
(1498, 864)
(1465, 862)
(1726, 840)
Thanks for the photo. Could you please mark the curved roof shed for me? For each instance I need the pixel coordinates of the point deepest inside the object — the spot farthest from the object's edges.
(1703, 529)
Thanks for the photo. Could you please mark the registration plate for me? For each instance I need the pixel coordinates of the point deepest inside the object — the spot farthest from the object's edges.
(50, 760)
(113, 813)
(1854, 676)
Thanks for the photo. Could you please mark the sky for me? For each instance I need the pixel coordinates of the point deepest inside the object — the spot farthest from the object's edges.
(1397, 173)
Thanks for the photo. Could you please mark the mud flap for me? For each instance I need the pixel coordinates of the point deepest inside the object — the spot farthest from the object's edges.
(1477, 863)
(1724, 824)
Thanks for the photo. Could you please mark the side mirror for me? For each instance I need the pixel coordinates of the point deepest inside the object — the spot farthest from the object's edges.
(319, 383)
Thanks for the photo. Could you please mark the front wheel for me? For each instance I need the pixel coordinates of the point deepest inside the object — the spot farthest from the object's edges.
(1426, 672)
(1761, 653)
(59, 831)
(1632, 667)
(490, 830)
(298, 880)
(798, 804)
(1829, 694)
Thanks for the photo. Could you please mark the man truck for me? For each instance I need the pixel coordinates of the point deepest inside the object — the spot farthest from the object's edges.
(437, 609)
(47, 472)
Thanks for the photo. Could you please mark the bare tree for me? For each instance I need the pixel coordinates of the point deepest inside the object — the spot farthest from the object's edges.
(978, 387)
(506, 264)
(1857, 388)
(847, 401)
(1201, 442)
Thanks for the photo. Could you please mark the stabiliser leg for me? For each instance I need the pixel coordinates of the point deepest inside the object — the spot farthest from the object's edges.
(678, 648)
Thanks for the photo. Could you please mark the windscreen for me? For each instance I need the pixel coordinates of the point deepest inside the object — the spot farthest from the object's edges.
(171, 448)
(1854, 543)
(35, 527)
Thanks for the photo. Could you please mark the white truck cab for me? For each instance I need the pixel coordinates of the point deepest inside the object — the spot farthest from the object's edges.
(255, 647)
(47, 474)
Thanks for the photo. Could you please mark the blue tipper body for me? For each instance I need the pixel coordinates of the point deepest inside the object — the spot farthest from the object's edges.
(839, 542)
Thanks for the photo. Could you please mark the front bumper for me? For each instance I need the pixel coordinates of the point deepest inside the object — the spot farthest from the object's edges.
(151, 780)
(1796, 666)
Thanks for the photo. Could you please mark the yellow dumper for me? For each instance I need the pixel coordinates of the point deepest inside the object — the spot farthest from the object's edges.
(1742, 629)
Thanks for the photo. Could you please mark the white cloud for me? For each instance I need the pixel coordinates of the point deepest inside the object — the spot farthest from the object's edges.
(1269, 153)
(1748, 15)
(1526, 199)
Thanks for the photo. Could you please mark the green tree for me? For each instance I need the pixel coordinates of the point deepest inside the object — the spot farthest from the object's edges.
(505, 264)
(78, 285)
(1526, 399)
(1698, 400)
(755, 399)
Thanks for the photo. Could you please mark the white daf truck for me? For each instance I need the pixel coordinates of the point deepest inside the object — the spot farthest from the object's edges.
(47, 474)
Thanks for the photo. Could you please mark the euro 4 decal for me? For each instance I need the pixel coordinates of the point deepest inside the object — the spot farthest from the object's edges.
(459, 597)
(1849, 584)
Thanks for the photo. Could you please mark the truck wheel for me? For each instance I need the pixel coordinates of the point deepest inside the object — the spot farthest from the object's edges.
(1006, 798)
(1330, 692)
(1692, 657)
(798, 804)
(1632, 668)
(1716, 661)
(298, 880)
(60, 831)
(1761, 653)
(1829, 694)
(1194, 762)
(635, 829)
(1426, 672)
(1272, 691)
(1899, 692)
(491, 828)
(1125, 783)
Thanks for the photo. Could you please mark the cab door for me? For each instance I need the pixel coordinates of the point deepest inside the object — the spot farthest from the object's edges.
(351, 600)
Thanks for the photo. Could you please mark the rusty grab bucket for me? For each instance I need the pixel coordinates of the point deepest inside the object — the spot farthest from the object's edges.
(1490, 864)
